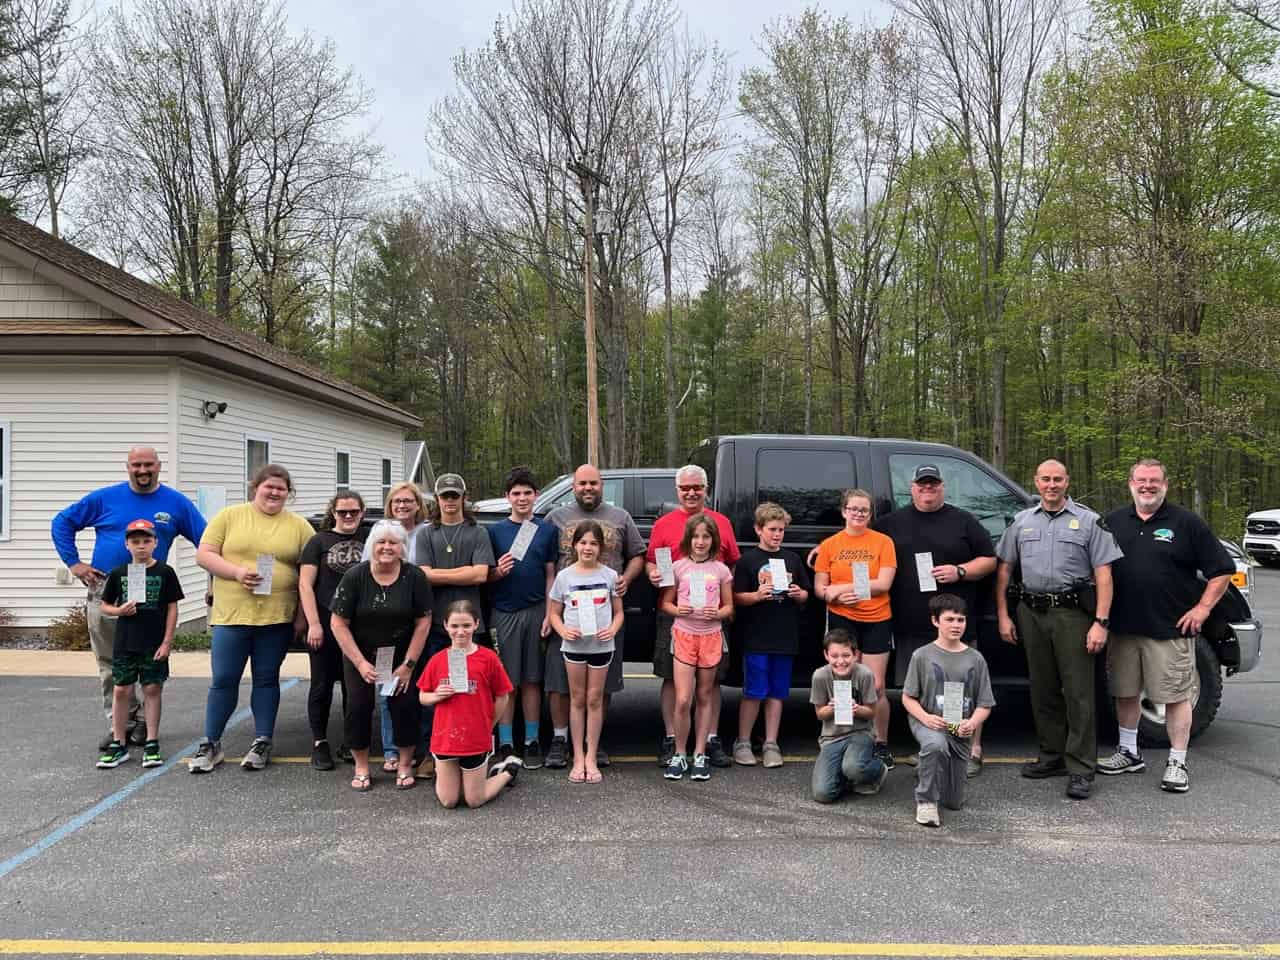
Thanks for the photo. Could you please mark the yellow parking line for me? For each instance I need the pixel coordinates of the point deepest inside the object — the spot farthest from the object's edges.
(755, 948)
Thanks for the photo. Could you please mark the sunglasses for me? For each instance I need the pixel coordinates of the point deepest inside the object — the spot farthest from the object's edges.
(347, 513)
(450, 495)
(691, 489)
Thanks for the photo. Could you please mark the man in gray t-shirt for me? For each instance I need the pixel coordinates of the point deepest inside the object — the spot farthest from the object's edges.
(846, 752)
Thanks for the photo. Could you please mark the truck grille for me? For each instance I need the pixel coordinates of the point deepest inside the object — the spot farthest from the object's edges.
(1264, 528)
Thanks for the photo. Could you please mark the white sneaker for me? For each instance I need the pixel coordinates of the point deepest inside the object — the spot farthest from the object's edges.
(208, 756)
(927, 815)
(258, 755)
(1122, 761)
(1175, 778)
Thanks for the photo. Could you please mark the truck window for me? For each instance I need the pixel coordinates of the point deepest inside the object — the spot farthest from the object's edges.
(654, 492)
(807, 483)
(613, 487)
(969, 487)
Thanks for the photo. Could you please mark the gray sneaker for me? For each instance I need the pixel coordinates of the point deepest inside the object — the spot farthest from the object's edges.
(771, 754)
(208, 756)
(258, 755)
(742, 754)
(1175, 778)
(1122, 761)
(927, 815)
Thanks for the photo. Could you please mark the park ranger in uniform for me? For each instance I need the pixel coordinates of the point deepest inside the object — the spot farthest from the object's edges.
(1059, 546)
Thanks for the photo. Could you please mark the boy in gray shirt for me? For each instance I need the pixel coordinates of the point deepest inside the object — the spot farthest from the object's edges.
(945, 670)
(846, 751)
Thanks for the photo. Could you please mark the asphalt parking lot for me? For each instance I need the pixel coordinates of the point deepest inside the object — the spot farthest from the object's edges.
(290, 862)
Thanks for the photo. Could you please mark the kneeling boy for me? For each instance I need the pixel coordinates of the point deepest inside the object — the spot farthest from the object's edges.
(947, 669)
(144, 635)
(846, 754)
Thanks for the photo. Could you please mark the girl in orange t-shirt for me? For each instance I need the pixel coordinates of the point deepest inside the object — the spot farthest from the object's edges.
(864, 618)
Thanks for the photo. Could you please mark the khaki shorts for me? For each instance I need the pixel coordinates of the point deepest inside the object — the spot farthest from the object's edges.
(1164, 669)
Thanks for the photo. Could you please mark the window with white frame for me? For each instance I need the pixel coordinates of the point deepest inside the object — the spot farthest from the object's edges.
(386, 478)
(342, 470)
(257, 454)
(5, 471)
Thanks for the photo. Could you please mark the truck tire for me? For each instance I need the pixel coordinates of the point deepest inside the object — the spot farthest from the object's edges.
(1206, 697)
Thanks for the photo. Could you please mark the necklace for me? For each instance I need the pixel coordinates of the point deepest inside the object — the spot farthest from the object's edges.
(448, 542)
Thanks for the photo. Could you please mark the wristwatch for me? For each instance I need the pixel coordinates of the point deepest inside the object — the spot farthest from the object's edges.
(959, 571)
(1103, 622)
(409, 662)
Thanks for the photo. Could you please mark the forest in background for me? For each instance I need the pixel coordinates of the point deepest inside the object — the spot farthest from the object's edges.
(1025, 230)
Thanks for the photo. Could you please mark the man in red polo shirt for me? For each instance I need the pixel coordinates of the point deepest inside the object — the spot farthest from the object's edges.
(668, 531)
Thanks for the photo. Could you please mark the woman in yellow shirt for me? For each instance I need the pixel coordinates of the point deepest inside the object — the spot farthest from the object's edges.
(865, 617)
(252, 550)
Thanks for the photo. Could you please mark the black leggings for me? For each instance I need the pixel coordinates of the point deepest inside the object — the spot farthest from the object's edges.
(326, 670)
(361, 699)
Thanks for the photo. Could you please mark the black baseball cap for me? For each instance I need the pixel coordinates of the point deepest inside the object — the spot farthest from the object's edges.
(926, 471)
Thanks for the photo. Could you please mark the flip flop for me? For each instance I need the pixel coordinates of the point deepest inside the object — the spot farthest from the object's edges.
(595, 777)
(576, 777)
(406, 782)
(390, 764)
(361, 783)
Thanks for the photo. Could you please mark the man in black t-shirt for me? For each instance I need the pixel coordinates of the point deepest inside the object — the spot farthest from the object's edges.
(1161, 603)
(960, 553)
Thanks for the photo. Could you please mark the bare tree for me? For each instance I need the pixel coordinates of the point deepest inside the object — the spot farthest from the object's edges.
(981, 72)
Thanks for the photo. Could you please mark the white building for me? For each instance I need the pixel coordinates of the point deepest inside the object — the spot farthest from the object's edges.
(93, 360)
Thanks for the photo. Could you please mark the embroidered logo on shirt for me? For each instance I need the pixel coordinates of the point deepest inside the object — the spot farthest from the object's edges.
(162, 517)
(1163, 535)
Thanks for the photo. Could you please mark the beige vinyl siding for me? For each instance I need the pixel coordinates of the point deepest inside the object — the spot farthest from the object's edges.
(71, 422)
(305, 437)
(24, 296)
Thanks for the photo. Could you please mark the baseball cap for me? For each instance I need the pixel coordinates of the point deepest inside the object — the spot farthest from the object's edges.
(451, 483)
(140, 526)
(926, 471)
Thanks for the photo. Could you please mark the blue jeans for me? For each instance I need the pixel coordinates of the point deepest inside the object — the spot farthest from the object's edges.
(232, 647)
(388, 736)
(843, 764)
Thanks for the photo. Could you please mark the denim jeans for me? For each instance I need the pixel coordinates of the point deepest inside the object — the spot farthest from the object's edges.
(232, 647)
(388, 736)
(842, 764)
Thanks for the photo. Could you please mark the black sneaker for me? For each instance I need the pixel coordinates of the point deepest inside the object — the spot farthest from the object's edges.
(115, 754)
(716, 755)
(882, 753)
(510, 764)
(151, 754)
(505, 750)
(1078, 787)
(666, 751)
(532, 754)
(557, 754)
(700, 769)
(344, 754)
(322, 756)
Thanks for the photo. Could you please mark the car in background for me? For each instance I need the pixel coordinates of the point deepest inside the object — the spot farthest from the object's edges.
(644, 492)
(1243, 577)
(1262, 537)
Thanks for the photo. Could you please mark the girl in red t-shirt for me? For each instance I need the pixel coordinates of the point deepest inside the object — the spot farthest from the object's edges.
(462, 734)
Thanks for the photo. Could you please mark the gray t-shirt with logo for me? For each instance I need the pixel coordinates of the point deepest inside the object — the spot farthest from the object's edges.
(622, 539)
(930, 669)
(822, 691)
(449, 547)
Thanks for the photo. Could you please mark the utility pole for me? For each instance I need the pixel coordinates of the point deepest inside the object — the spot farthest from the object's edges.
(587, 181)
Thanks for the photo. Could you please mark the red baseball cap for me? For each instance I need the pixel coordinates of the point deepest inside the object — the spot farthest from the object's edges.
(140, 526)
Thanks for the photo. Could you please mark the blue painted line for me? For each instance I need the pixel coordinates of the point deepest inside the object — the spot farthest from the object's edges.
(102, 806)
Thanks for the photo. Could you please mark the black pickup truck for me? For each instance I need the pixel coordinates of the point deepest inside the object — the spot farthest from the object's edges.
(806, 475)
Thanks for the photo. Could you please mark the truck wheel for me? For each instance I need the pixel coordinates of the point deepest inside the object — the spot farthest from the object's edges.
(1206, 697)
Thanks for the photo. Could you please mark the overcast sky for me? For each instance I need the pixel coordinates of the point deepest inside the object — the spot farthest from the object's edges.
(405, 58)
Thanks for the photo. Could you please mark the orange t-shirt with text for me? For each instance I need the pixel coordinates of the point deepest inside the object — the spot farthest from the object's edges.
(836, 557)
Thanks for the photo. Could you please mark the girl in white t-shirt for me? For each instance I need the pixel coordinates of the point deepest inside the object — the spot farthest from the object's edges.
(584, 609)
(700, 601)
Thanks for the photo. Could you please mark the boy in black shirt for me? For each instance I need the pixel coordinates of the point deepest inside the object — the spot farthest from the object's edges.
(144, 634)
(769, 613)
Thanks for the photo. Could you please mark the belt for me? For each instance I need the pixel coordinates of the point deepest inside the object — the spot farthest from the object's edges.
(1068, 599)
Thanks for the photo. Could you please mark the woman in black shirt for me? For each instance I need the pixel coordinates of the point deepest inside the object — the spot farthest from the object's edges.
(383, 602)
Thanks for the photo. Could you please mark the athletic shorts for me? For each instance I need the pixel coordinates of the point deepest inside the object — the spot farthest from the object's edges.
(518, 637)
(554, 678)
(1164, 669)
(703, 650)
(596, 661)
(872, 637)
(470, 761)
(130, 668)
(766, 676)
(662, 653)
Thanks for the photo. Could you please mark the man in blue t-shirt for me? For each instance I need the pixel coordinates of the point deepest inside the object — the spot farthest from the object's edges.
(518, 588)
(109, 510)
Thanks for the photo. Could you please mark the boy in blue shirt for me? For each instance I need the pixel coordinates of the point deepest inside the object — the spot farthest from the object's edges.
(518, 589)
(143, 637)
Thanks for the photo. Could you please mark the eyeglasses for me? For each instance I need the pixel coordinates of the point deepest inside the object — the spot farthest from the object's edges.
(347, 513)
(404, 503)
(858, 511)
(690, 489)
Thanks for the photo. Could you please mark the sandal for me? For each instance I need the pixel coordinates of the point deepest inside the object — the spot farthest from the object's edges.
(406, 781)
(390, 764)
(361, 783)
(576, 776)
(594, 776)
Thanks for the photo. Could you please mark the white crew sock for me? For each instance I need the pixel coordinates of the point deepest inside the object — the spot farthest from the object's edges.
(1129, 740)
(560, 732)
(1179, 755)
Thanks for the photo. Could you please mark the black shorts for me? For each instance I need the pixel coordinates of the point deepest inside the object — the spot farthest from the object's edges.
(471, 761)
(872, 637)
(596, 661)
